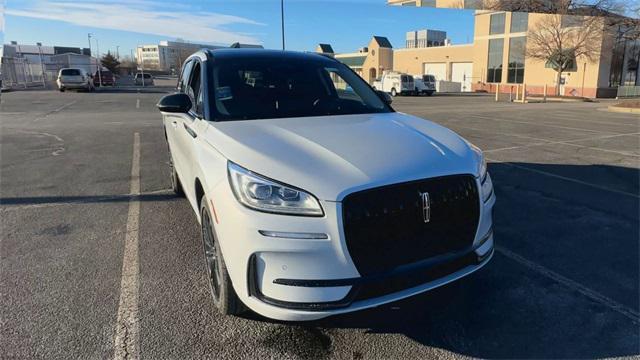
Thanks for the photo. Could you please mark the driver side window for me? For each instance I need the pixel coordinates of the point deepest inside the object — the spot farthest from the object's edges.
(194, 88)
(184, 77)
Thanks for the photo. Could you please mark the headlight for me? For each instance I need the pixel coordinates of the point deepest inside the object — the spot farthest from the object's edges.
(260, 193)
(486, 187)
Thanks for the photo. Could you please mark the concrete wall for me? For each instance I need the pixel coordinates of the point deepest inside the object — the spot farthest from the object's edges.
(411, 61)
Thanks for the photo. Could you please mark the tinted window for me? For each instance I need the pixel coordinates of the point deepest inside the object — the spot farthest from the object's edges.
(147, 76)
(428, 78)
(71, 72)
(494, 65)
(519, 22)
(497, 24)
(277, 88)
(193, 88)
(184, 78)
(517, 48)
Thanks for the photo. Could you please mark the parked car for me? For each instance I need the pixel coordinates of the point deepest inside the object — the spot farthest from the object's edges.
(395, 83)
(313, 195)
(74, 78)
(106, 77)
(144, 79)
(425, 84)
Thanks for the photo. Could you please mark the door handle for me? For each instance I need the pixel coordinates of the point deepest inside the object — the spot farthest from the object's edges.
(190, 131)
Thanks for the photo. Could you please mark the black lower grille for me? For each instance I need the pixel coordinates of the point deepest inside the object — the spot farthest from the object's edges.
(385, 227)
(393, 284)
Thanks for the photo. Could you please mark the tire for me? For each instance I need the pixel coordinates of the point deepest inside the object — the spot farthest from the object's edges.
(62, 89)
(222, 292)
(429, 93)
(176, 185)
(394, 93)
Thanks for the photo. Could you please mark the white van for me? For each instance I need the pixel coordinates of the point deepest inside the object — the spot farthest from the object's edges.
(425, 84)
(395, 83)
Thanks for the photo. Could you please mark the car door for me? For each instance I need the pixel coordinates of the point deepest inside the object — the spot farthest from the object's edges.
(173, 126)
(191, 125)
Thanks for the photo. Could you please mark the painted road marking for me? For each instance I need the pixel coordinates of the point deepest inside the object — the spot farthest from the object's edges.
(55, 111)
(79, 201)
(595, 186)
(570, 143)
(127, 329)
(542, 124)
(575, 286)
(137, 103)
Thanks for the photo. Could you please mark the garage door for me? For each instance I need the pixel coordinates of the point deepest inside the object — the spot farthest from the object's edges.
(439, 70)
(461, 72)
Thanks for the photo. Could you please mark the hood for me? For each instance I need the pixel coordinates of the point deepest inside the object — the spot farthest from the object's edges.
(332, 156)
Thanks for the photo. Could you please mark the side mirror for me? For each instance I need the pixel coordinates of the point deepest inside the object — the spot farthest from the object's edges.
(175, 103)
(384, 97)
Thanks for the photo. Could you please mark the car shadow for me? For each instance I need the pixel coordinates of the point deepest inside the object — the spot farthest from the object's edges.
(586, 231)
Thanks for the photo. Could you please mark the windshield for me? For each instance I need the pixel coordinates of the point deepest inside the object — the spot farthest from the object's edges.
(428, 78)
(275, 88)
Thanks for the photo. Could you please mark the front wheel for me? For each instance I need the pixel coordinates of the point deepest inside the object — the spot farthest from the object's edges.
(222, 292)
(394, 93)
(176, 186)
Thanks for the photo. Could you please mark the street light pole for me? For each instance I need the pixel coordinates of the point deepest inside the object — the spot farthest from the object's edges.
(282, 20)
(41, 64)
(141, 65)
(118, 52)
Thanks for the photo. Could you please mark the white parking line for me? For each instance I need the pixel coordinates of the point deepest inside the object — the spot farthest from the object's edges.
(137, 103)
(575, 286)
(542, 124)
(79, 201)
(126, 332)
(570, 143)
(595, 186)
(54, 111)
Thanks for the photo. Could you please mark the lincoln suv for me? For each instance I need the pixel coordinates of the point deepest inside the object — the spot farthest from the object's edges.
(313, 195)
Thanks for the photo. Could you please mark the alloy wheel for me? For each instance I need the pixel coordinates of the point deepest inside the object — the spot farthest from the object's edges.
(211, 257)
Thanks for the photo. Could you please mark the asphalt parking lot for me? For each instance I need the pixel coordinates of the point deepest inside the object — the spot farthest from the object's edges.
(564, 282)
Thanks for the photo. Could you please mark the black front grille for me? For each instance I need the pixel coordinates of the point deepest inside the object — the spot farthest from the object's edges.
(385, 228)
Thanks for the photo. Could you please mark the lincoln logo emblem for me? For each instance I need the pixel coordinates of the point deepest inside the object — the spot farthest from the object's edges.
(426, 207)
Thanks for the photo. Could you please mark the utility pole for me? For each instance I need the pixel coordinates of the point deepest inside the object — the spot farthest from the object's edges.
(282, 20)
(142, 67)
(118, 52)
(41, 64)
(89, 38)
(99, 63)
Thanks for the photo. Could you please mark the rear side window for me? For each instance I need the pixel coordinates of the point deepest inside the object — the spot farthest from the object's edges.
(147, 76)
(70, 72)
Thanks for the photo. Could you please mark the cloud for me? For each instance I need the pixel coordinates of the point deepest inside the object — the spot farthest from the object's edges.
(142, 16)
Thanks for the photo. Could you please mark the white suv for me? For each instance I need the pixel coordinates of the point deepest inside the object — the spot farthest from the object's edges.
(314, 196)
(74, 78)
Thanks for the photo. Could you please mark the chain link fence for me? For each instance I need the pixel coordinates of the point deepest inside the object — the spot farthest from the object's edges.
(20, 73)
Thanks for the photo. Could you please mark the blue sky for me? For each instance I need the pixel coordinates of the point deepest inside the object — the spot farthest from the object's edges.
(345, 24)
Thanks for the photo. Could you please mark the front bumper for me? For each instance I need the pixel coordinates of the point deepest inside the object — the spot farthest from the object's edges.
(307, 279)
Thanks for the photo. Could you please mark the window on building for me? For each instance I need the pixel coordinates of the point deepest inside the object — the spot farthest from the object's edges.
(517, 48)
(494, 63)
(571, 21)
(519, 22)
(496, 24)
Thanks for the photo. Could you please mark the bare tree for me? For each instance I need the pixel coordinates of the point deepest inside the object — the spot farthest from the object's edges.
(560, 42)
(576, 7)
